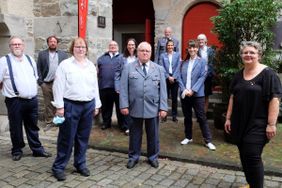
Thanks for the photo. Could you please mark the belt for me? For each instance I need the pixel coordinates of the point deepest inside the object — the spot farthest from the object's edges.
(20, 98)
(77, 102)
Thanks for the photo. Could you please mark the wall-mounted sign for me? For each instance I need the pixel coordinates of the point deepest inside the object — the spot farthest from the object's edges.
(101, 21)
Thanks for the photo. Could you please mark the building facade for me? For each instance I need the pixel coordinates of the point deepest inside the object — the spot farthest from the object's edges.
(35, 20)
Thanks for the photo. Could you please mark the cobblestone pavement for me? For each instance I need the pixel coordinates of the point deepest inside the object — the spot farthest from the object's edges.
(108, 170)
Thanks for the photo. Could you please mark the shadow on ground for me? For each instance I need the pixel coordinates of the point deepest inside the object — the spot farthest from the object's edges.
(225, 156)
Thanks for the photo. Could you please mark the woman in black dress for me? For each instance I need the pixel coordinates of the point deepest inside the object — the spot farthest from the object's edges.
(253, 110)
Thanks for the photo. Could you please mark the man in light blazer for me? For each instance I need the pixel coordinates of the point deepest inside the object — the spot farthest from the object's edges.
(47, 63)
(161, 45)
(143, 96)
(170, 60)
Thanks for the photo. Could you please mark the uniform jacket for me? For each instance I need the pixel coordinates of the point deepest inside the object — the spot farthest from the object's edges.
(199, 73)
(144, 96)
(118, 72)
(161, 47)
(164, 61)
(43, 63)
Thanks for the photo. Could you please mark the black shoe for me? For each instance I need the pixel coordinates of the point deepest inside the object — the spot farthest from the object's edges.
(174, 119)
(84, 172)
(154, 163)
(43, 154)
(60, 176)
(131, 164)
(104, 127)
(17, 157)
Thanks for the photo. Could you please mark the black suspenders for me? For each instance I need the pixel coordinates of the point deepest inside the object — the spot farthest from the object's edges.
(11, 72)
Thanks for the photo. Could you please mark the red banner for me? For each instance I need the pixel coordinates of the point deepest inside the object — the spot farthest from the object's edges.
(82, 17)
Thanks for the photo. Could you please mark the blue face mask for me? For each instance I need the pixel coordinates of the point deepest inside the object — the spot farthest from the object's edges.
(57, 120)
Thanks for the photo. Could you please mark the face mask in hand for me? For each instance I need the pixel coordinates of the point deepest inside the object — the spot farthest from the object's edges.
(57, 120)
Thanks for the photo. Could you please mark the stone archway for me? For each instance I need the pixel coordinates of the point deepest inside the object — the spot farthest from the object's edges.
(4, 38)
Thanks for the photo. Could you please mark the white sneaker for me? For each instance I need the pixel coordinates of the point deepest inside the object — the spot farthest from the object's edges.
(127, 132)
(185, 141)
(210, 146)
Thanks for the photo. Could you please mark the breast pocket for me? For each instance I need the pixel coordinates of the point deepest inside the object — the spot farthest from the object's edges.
(73, 77)
(156, 81)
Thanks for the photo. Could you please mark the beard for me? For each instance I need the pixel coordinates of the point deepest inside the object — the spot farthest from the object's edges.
(18, 53)
(52, 49)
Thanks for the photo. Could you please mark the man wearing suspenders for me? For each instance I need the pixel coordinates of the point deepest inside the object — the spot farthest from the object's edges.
(18, 75)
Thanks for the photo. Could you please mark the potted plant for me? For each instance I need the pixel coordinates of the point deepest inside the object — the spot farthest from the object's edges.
(243, 20)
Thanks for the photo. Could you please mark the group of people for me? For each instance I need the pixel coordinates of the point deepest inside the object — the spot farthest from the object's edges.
(191, 77)
(75, 89)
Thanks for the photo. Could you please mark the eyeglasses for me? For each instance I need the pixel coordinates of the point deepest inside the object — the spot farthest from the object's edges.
(147, 51)
(16, 44)
(80, 47)
(249, 52)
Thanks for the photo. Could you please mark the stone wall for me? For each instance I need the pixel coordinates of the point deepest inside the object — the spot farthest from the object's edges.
(59, 17)
(171, 13)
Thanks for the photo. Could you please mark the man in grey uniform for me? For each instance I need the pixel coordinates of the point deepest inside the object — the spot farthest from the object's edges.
(143, 96)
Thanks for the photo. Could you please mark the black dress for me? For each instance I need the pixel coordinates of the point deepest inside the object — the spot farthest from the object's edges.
(250, 105)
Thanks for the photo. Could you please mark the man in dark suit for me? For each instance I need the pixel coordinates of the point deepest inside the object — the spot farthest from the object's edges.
(143, 96)
(47, 63)
(161, 46)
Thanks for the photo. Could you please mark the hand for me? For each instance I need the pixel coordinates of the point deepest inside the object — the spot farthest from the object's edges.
(60, 112)
(227, 126)
(190, 93)
(96, 112)
(124, 111)
(162, 114)
(270, 131)
(171, 79)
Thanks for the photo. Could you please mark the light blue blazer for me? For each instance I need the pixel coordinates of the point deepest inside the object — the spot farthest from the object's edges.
(164, 61)
(144, 96)
(161, 47)
(199, 73)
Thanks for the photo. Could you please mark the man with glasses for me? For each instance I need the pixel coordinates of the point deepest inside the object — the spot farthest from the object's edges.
(143, 96)
(18, 74)
(47, 64)
(161, 45)
(208, 54)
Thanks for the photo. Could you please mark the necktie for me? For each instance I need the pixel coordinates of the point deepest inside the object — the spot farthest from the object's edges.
(144, 69)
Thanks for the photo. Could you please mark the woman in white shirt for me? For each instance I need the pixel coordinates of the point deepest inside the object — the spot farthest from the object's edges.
(76, 98)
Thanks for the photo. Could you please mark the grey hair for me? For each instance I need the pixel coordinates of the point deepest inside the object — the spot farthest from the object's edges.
(15, 37)
(253, 44)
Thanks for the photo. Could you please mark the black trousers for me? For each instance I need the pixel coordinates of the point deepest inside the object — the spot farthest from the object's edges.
(109, 97)
(250, 155)
(173, 90)
(198, 104)
(23, 112)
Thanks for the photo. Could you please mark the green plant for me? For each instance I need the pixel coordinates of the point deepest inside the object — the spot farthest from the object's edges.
(243, 20)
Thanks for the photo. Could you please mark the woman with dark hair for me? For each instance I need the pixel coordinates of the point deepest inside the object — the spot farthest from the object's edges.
(76, 98)
(253, 110)
(129, 56)
(193, 71)
(130, 51)
(170, 60)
